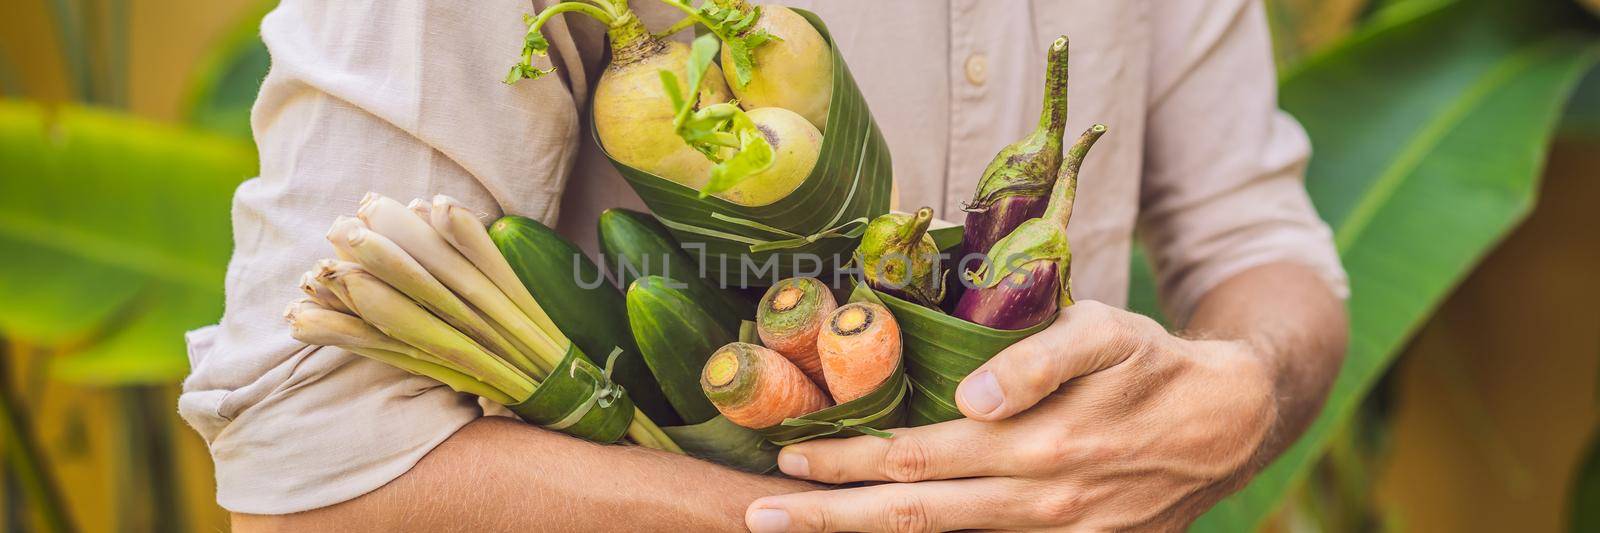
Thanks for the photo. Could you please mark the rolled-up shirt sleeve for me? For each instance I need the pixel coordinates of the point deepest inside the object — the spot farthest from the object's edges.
(1223, 187)
(401, 98)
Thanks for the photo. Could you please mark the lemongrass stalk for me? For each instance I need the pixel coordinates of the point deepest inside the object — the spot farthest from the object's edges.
(463, 230)
(356, 331)
(456, 381)
(341, 226)
(417, 238)
(325, 274)
(645, 432)
(397, 316)
(311, 323)
(316, 291)
(421, 208)
(384, 259)
(424, 209)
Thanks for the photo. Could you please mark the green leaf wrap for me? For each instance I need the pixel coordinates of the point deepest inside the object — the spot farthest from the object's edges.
(883, 408)
(726, 443)
(580, 400)
(941, 350)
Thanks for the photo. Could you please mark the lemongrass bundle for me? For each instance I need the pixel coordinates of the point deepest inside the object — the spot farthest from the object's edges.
(423, 288)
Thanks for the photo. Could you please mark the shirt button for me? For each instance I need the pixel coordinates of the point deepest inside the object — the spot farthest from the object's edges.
(977, 69)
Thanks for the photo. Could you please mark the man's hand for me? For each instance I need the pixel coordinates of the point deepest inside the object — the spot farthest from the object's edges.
(1101, 421)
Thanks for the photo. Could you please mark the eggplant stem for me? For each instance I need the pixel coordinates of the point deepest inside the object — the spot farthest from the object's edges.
(1065, 192)
(1053, 118)
(914, 231)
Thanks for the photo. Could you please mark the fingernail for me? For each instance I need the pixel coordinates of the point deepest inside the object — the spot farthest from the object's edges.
(769, 521)
(794, 464)
(981, 393)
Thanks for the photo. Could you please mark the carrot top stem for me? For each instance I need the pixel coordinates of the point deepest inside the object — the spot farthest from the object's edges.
(722, 368)
(787, 298)
(851, 321)
(789, 318)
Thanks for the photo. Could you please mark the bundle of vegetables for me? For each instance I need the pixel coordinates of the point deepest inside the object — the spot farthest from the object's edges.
(825, 368)
(1015, 292)
(1013, 254)
(425, 289)
(752, 179)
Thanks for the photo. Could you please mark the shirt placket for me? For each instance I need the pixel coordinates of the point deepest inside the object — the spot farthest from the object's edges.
(962, 94)
(977, 34)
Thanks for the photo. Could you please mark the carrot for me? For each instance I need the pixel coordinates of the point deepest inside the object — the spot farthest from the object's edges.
(790, 316)
(756, 388)
(859, 349)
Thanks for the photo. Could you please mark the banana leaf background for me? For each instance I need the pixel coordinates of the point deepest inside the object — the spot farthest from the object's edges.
(1455, 160)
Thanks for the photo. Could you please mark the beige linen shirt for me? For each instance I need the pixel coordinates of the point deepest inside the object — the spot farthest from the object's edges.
(404, 98)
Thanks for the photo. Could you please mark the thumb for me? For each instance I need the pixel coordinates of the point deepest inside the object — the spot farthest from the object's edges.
(1086, 338)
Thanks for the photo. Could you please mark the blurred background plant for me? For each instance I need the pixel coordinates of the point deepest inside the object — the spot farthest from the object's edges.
(1456, 150)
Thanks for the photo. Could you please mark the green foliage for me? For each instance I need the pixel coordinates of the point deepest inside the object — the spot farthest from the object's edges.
(227, 81)
(533, 44)
(732, 27)
(116, 237)
(1582, 118)
(716, 128)
(1585, 504)
(1430, 130)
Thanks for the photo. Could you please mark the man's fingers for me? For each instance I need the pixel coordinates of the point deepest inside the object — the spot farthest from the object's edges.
(926, 506)
(954, 449)
(1088, 337)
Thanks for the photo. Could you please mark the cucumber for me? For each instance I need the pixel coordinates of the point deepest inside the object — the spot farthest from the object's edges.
(676, 336)
(630, 238)
(595, 319)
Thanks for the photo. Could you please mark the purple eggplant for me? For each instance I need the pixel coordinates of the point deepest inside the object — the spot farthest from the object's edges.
(1028, 275)
(899, 257)
(1016, 185)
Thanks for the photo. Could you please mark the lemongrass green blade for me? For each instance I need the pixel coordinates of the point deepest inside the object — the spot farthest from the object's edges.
(455, 380)
(399, 317)
(384, 259)
(464, 230)
(313, 324)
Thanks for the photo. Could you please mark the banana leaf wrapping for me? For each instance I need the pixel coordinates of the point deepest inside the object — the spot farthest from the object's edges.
(941, 350)
(726, 443)
(883, 408)
(822, 219)
(579, 399)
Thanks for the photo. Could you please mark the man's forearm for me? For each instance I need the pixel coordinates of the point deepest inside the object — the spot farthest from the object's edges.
(496, 474)
(1289, 316)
